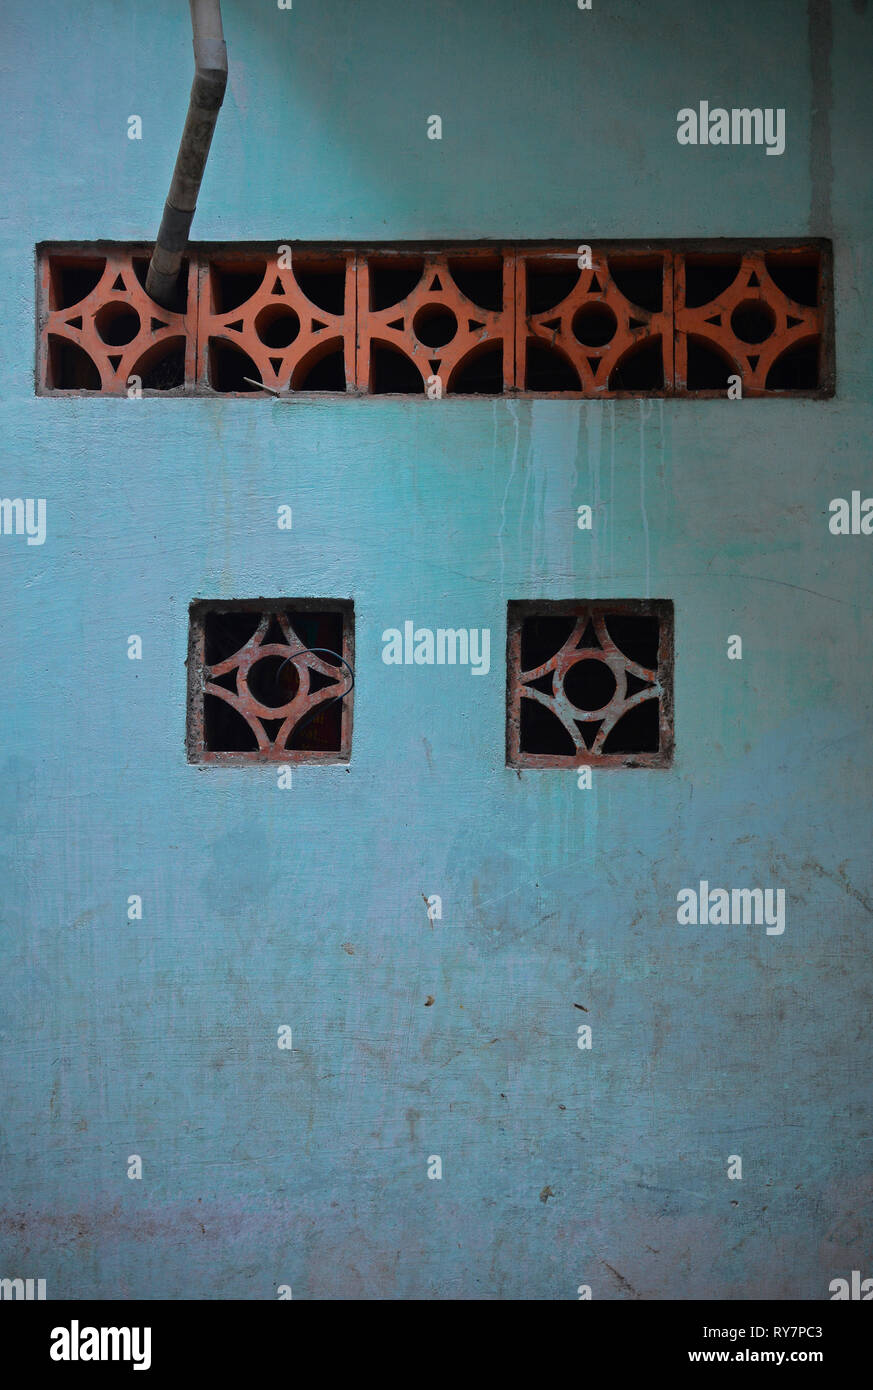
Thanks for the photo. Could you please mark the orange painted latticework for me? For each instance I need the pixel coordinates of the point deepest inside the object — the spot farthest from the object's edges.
(282, 332)
(99, 328)
(750, 324)
(595, 332)
(437, 327)
(612, 320)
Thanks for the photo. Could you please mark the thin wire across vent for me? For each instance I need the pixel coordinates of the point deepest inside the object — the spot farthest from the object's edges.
(270, 680)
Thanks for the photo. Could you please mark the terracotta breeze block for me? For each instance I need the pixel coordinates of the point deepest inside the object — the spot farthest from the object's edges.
(589, 720)
(590, 334)
(750, 323)
(114, 330)
(272, 684)
(278, 333)
(435, 326)
(634, 319)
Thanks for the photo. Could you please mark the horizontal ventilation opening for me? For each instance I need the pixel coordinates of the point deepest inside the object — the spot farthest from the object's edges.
(640, 319)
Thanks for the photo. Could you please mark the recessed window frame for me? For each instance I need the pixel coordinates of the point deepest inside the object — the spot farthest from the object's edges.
(200, 328)
(518, 610)
(197, 750)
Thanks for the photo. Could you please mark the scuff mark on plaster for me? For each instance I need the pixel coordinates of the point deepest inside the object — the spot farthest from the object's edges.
(622, 1282)
(837, 876)
(85, 917)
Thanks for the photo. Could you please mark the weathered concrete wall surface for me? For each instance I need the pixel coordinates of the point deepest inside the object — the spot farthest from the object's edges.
(264, 906)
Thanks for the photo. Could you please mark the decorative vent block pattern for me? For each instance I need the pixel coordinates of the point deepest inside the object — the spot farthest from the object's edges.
(590, 683)
(290, 328)
(603, 331)
(443, 315)
(756, 315)
(640, 320)
(99, 328)
(270, 681)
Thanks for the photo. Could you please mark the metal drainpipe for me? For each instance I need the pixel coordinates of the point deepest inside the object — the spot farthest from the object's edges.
(207, 94)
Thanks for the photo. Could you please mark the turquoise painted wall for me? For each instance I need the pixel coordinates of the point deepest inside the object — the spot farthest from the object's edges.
(262, 906)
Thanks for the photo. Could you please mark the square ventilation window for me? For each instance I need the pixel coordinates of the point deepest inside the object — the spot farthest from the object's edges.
(100, 332)
(270, 680)
(290, 327)
(763, 315)
(590, 683)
